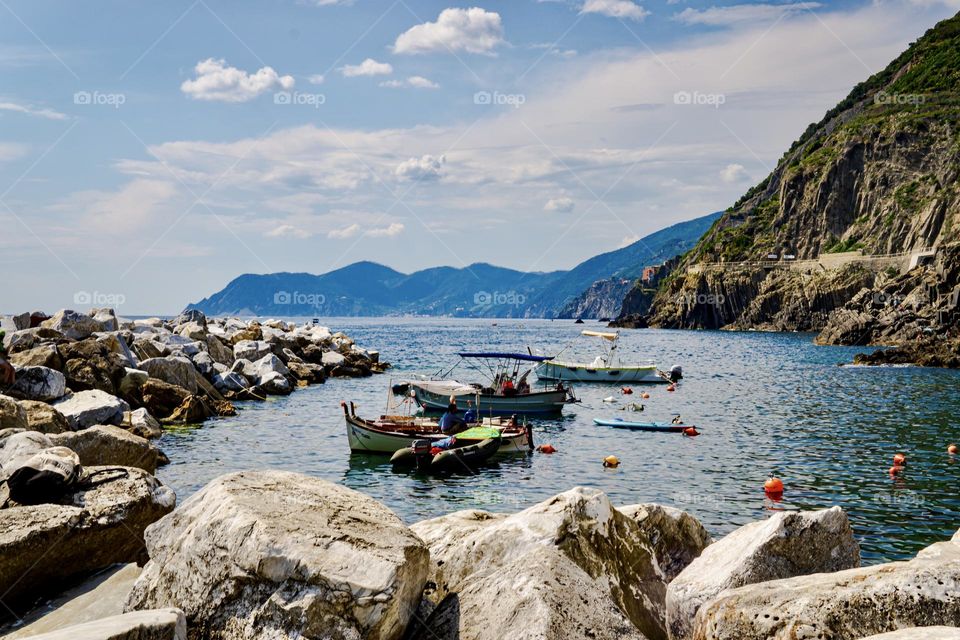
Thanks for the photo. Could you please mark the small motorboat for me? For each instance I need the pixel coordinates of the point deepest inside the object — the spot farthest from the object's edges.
(464, 454)
(606, 367)
(662, 427)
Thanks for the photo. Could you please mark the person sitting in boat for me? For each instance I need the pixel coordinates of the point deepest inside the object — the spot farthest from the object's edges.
(523, 387)
(450, 421)
(508, 389)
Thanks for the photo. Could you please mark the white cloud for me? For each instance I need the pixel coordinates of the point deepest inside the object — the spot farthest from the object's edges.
(615, 9)
(12, 151)
(330, 3)
(733, 173)
(472, 30)
(413, 82)
(628, 240)
(30, 110)
(316, 78)
(288, 231)
(563, 204)
(393, 229)
(742, 13)
(134, 205)
(368, 67)
(345, 232)
(424, 168)
(216, 81)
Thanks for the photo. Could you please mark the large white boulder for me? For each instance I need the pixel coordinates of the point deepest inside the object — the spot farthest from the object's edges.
(86, 408)
(72, 324)
(332, 358)
(269, 364)
(160, 624)
(106, 445)
(787, 544)
(581, 524)
(677, 537)
(251, 350)
(39, 383)
(139, 422)
(273, 554)
(176, 370)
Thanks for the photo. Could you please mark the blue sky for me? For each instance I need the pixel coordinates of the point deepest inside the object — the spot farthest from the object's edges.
(152, 151)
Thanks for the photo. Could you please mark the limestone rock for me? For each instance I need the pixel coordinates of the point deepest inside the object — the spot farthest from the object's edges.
(141, 423)
(173, 370)
(44, 418)
(87, 408)
(230, 381)
(160, 624)
(12, 415)
(89, 364)
(161, 398)
(191, 411)
(677, 537)
(38, 383)
(219, 351)
(72, 324)
(332, 358)
(251, 349)
(787, 544)
(106, 318)
(105, 445)
(132, 381)
(44, 355)
(274, 383)
(193, 330)
(42, 546)
(29, 338)
(274, 554)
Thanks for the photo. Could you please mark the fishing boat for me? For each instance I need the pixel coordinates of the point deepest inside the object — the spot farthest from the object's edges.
(390, 433)
(462, 455)
(663, 427)
(505, 394)
(606, 367)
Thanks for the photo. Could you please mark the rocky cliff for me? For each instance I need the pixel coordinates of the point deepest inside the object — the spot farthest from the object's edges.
(878, 174)
(602, 300)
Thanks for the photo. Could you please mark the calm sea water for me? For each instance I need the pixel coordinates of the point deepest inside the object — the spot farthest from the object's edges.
(764, 403)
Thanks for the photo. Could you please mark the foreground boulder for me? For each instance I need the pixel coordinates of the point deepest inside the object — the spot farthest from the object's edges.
(44, 418)
(12, 415)
(73, 324)
(39, 383)
(86, 408)
(785, 545)
(275, 554)
(175, 370)
(160, 624)
(105, 445)
(581, 524)
(45, 545)
(677, 537)
(844, 605)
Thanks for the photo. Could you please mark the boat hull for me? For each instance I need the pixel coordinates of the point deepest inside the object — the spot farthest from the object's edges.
(578, 372)
(365, 438)
(537, 403)
(660, 427)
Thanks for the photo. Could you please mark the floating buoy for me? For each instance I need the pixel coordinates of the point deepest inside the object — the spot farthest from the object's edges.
(626, 390)
(611, 462)
(546, 448)
(896, 469)
(900, 460)
(690, 431)
(773, 487)
(952, 449)
(645, 395)
(609, 399)
(671, 388)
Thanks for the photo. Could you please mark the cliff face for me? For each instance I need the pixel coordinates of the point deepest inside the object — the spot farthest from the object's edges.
(878, 174)
(603, 299)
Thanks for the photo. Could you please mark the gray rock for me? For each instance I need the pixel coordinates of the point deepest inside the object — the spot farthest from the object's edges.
(787, 544)
(269, 364)
(44, 355)
(220, 352)
(12, 415)
(106, 318)
(174, 370)
(72, 324)
(274, 383)
(132, 380)
(230, 381)
(203, 363)
(86, 408)
(251, 350)
(159, 624)
(193, 330)
(676, 536)
(105, 445)
(44, 418)
(30, 338)
(191, 315)
(273, 554)
(38, 383)
(141, 423)
(332, 358)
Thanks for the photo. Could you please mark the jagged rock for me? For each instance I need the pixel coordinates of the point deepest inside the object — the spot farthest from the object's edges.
(173, 370)
(332, 358)
(105, 445)
(251, 332)
(191, 315)
(87, 408)
(43, 546)
(38, 383)
(275, 554)
(251, 350)
(16, 447)
(191, 411)
(12, 415)
(132, 382)
(141, 423)
(106, 318)
(158, 624)
(89, 364)
(44, 355)
(274, 383)
(920, 633)
(785, 545)
(115, 344)
(842, 605)
(230, 381)
(193, 330)
(29, 338)
(219, 351)
(161, 398)
(146, 348)
(269, 364)
(44, 418)
(581, 524)
(204, 364)
(306, 371)
(677, 537)
(72, 324)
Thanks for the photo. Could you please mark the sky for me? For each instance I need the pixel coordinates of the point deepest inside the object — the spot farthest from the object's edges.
(150, 152)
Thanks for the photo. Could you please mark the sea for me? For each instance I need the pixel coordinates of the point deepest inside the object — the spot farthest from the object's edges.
(765, 404)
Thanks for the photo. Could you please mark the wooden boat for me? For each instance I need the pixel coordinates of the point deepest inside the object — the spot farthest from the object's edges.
(663, 427)
(389, 434)
(465, 455)
(606, 368)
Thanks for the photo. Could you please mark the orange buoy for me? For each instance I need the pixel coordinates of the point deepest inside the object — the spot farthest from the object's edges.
(952, 449)
(626, 390)
(546, 448)
(690, 431)
(773, 486)
(611, 462)
(645, 395)
(671, 388)
(900, 460)
(896, 469)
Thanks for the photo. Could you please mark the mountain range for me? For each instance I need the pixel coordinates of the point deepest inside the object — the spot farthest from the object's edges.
(478, 290)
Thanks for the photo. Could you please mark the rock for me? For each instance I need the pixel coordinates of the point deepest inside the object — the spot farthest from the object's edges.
(251, 332)
(191, 315)
(273, 554)
(141, 423)
(581, 524)
(787, 544)
(312, 373)
(146, 348)
(132, 382)
(920, 633)
(269, 364)
(30, 338)
(250, 350)
(86, 408)
(161, 399)
(160, 624)
(38, 383)
(72, 324)
(541, 596)
(173, 370)
(204, 364)
(106, 318)
(18, 447)
(105, 526)
(274, 383)
(44, 355)
(105, 445)
(677, 537)
(843, 605)
(12, 415)
(89, 364)
(44, 418)
(230, 381)
(332, 358)
(191, 411)
(115, 344)
(220, 353)
(194, 331)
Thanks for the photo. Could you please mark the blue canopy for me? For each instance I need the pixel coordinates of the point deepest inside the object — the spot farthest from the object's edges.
(511, 356)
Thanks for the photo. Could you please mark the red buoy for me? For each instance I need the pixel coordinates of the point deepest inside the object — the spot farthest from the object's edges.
(900, 460)
(952, 449)
(690, 431)
(896, 470)
(645, 395)
(773, 487)
(626, 391)
(546, 448)
(671, 388)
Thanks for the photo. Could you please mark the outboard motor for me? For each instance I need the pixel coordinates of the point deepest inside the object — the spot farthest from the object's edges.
(676, 373)
(421, 453)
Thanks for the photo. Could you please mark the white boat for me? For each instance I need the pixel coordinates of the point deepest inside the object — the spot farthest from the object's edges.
(606, 367)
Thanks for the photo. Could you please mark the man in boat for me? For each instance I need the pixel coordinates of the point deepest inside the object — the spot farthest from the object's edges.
(450, 421)
(523, 387)
(508, 389)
